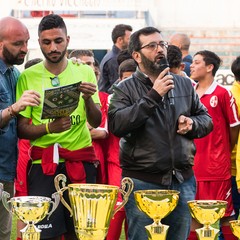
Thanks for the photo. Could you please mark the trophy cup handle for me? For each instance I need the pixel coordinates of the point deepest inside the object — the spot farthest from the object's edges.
(63, 179)
(125, 189)
(1, 190)
(56, 197)
(6, 204)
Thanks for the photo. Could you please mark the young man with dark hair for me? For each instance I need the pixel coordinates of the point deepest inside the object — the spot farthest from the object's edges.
(212, 162)
(70, 135)
(174, 57)
(126, 69)
(109, 65)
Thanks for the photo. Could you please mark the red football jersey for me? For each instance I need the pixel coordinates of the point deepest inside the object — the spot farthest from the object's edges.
(212, 160)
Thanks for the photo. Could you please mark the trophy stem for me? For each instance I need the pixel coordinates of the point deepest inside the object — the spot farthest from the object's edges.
(207, 233)
(157, 232)
(30, 232)
(90, 234)
(1, 190)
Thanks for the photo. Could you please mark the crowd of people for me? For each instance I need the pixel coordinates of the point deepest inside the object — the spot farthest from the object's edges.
(125, 125)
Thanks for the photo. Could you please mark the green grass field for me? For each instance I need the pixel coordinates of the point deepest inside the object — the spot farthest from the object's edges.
(13, 235)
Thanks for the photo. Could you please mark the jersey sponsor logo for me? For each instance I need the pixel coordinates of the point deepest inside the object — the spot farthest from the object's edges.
(75, 119)
(44, 226)
(214, 101)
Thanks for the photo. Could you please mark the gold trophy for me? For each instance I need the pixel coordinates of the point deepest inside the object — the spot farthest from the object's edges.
(207, 212)
(30, 210)
(157, 204)
(92, 205)
(235, 226)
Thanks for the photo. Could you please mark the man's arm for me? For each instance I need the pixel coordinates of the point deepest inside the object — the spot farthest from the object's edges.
(28, 98)
(234, 132)
(93, 111)
(28, 131)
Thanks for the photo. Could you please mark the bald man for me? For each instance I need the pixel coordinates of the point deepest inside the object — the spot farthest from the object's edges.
(14, 38)
(182, 41)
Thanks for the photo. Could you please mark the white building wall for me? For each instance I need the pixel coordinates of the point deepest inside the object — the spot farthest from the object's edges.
(178, 14)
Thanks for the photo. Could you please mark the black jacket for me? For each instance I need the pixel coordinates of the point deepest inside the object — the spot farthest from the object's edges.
(109, 70)
(150, 148)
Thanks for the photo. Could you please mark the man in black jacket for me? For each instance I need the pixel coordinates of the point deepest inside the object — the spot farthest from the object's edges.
(109, 65)
(157, 131)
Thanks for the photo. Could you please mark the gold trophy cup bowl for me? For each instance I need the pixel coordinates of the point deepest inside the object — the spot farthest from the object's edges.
(92, 205)
(30, 210)
(235, 226)
(207, 212)
(157, 204)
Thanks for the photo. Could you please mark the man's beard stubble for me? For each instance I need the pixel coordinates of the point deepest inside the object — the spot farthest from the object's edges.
(59, 59)
(151, 67)
(10, 59)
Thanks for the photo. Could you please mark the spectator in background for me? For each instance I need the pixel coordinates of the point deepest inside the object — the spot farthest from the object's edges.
(14, 38)
(100, 133)
(123, 55)
(182, 41)
(109, 66)
(235, 155)
(212, 162)
(86, 56)
(97, 69)
(174, 57)
(126, 69)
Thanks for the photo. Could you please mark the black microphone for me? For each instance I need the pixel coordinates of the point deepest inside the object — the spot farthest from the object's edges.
(164, 64)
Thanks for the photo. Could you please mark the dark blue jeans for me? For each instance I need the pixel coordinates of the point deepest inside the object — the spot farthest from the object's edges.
(179, 220)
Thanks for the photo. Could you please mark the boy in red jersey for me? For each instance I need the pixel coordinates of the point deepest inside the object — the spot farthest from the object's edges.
(212, 162)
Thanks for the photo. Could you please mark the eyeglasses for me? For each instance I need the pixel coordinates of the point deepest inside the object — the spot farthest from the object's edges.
(55, 81)
(154, 45)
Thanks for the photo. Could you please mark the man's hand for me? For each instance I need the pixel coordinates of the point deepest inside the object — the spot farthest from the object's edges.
(28, 98)
(163, 83)
(60, 125)
(184, 125)
(76, 60)
(87, 89)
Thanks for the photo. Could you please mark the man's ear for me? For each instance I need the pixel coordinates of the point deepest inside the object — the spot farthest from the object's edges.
(137, 57)
(68, 40)
(182, 66)
(209, 67)
(119, 42)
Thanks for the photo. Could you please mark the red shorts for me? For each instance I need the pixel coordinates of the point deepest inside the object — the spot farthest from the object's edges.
(216, 190)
